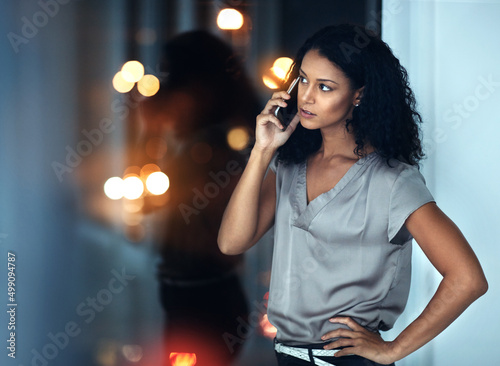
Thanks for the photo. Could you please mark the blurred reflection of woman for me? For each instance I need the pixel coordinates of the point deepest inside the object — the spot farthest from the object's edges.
(203, 96)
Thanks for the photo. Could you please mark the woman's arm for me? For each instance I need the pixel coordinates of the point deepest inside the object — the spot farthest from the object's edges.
(463, 278)
(463, 282)
(250, 211)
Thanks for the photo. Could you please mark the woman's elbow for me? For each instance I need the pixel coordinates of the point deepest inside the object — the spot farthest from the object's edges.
(227, 247)
(477, 285)
(481, 286)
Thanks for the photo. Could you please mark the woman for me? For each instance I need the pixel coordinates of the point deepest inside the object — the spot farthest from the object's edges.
(346, 198)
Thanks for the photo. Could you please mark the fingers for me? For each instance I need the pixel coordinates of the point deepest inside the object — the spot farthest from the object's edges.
(347, 321)
(270, 131)
(347, 336)
(267, 114)
(263, 119)
(293, 123)
(344, 333)
(348, 351)
(357, 341)
(277, 99)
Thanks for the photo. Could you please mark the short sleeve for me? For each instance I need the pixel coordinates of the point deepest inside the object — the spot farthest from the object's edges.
(273, 165)
(409, 193)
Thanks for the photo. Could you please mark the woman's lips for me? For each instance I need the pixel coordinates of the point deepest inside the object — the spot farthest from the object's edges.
(306, 114)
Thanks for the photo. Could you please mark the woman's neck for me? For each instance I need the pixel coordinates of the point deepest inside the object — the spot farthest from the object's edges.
(340, 143)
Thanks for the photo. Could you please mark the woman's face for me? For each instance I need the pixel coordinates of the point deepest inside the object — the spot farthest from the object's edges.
(325, 98)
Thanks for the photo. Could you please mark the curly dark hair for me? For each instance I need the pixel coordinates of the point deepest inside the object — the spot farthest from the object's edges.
(386, 117)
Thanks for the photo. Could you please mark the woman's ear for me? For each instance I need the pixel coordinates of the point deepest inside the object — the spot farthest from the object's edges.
(358, 95)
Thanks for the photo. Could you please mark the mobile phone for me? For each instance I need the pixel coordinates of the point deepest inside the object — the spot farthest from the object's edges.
(285, 115)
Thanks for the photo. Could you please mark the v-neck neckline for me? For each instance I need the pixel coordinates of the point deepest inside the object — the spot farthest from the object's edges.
(305, 212)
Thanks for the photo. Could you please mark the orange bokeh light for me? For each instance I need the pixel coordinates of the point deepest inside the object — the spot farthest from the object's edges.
(269, 82)
(281, 67)
(183, 359)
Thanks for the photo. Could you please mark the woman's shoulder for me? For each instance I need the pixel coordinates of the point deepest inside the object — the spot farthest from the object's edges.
(392, 170)
(277, 164)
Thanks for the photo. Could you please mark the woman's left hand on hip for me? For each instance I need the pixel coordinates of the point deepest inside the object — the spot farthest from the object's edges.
(359, 341)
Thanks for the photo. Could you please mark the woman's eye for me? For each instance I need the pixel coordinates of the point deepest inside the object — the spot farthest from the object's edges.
(303, 80)
(324, 87)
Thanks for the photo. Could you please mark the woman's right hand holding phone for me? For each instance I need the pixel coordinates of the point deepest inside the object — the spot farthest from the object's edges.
(251, 209)
(269, 132)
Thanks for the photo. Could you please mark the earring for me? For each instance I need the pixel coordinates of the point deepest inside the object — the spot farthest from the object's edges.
(357, 104)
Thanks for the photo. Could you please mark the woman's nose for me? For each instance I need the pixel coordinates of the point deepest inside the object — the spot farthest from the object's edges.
(306, 95)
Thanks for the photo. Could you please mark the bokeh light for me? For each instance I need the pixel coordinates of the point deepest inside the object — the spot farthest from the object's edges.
(132, 352)
(277, 74)
(114, 188)
(229, 19)
(148, 85)
(157, 183)
(269, 82)
(132, 170)
(133, 187)
(182, 359)
(281, 66)
(238, 138)
(120, 84)
(132, 71)
(147, 169)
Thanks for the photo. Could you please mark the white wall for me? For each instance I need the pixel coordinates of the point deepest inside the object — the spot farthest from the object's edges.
(451, 51)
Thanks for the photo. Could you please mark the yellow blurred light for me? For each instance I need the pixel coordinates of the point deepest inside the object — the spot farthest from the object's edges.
(281, 66)
(114, 188)
(279, 72)
(238, 138)
(120, 84)
(148, 85)
(229, 19)
(269, 82)
(132, 71)
(157, 183)
(133, 187)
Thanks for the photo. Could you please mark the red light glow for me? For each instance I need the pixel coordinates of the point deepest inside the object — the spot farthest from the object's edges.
(266, 328)
(183, 359)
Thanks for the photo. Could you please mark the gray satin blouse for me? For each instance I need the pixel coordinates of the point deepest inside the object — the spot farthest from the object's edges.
(345, 253)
